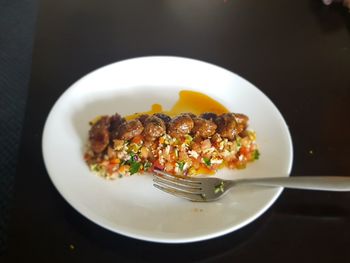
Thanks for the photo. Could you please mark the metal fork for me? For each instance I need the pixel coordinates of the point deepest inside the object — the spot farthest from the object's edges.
(211, 188)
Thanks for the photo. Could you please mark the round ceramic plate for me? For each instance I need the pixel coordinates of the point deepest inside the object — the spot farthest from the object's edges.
(131, 206)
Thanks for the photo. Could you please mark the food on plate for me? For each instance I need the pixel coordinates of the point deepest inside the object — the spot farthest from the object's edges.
(186, 144)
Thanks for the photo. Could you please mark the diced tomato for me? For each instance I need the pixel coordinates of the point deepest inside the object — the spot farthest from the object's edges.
(114, 161)
(137, 139)
(244, 150)
(249, 156)
(110, 168)
(169, 167)
(158, 165)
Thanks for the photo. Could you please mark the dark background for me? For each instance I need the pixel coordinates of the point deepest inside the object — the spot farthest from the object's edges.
(296, 52)
(17, 23)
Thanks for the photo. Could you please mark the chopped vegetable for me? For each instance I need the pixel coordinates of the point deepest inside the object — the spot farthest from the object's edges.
(176, 153)
(188, 139)
(207, 161)
(134, 148)
(188, 155)
(256, 155)
(158, 165)
(181, 165)
(134, 167)
(147, 165)
(219, 188)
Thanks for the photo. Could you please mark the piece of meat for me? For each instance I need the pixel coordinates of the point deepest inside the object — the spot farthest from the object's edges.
(130, 129)
(115, 121)
(227, 125)
(192, 115)
(242, 122)
(209, 116)
(180, 126)
(99, 135)
(165, 118)
(203, 128)
(142, 118)
(154, 127)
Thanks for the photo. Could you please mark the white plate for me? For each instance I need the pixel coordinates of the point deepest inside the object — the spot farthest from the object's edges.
(132, 206)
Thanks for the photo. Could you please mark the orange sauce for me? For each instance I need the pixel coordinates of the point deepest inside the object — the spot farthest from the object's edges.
(189, 101)
(205, 170)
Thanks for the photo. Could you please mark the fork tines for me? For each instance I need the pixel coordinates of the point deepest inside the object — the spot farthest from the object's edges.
(188, 188)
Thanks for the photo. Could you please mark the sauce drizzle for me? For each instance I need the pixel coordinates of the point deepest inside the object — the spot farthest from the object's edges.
(189, 101)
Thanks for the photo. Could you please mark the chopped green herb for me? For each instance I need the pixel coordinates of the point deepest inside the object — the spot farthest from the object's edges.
(207, 161)
(95, 167)
(219, 188)
(134, 167)
(99, 169)
(181, 165)
(147, 165)
(239, 142)
(256, 155)
(120, 175)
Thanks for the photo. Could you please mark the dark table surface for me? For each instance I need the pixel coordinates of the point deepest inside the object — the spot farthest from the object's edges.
(296, 52)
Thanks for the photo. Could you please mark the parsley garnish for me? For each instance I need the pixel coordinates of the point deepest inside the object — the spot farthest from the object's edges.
(147, 165)
(181, 165)
(207, 161)
(134, 167)
(238, 142)
(95, 167)
(256, 155)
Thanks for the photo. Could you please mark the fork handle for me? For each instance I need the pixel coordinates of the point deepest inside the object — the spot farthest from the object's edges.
(323, 183)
